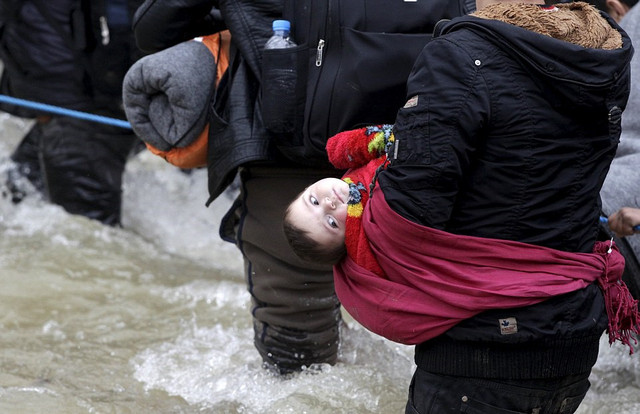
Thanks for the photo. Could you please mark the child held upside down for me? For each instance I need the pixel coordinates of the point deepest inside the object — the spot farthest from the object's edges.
(322, 223)
(431, 286)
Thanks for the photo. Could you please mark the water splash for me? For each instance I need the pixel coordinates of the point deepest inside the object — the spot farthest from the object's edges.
(217, 369)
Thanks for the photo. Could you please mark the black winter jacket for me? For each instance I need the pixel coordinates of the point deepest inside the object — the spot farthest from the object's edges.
(69, 53)
(237, 134)
(509, 134)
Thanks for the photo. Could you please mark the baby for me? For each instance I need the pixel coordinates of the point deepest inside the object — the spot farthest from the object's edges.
(323, 223)
(315, 221)
(427, 286)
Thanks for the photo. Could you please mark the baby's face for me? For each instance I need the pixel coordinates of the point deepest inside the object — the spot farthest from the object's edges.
(321, 211)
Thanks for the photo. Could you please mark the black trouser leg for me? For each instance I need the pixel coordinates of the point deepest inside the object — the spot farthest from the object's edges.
(83, 165)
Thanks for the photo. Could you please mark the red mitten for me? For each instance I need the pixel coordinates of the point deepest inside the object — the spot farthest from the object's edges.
(353, 148)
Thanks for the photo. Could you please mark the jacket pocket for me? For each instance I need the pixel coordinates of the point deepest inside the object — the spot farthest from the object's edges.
(282, 89)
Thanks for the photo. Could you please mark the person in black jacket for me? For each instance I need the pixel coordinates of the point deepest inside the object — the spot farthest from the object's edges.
(72, 54)
(296, 314)
(295, 311)
(511, 122)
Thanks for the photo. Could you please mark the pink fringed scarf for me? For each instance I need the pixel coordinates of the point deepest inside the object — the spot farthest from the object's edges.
(436, 279)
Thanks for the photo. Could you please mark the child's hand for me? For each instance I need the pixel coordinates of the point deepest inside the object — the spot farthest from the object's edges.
(625, 221)
(356, 147)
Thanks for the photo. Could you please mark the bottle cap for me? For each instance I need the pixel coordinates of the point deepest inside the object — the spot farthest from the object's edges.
(281, 25)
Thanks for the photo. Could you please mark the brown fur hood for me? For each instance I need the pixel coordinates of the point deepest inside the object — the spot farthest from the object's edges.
(578, 23)
(571, 49)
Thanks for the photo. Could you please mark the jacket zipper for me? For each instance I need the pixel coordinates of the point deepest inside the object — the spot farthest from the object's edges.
(319, 51)
(325, 36)
(104, 31)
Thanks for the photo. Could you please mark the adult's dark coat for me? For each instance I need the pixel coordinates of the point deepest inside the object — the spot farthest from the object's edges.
(238, 135)
(509, 134)
(68, 53)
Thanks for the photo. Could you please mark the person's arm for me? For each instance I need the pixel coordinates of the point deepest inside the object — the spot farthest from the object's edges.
(625, 221)
(356, 147)
(437, 134)
(158, 24)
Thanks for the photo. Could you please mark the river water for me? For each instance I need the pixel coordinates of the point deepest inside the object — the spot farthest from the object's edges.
(154, 317)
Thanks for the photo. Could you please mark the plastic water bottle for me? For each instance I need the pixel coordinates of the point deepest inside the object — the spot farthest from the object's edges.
(279, 79)
(280, 38)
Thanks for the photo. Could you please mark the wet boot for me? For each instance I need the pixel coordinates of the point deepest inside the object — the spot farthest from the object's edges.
(27, 172)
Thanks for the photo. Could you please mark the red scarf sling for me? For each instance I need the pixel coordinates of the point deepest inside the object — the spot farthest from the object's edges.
(435, 279)
(354, 237)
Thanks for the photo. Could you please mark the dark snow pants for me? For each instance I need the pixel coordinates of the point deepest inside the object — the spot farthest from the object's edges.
(80, 165)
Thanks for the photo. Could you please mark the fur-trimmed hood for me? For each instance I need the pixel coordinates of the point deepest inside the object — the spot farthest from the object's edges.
(578, 23)
(573, 48)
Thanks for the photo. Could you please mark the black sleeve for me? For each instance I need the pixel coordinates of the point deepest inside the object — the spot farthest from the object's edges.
(158, 24)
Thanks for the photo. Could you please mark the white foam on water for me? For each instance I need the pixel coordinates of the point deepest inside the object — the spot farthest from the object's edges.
(216, 296)
(615, 380)
(167, 206)
(218, 369)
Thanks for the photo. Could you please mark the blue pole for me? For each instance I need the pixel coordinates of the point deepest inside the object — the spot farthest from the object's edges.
(65, 112)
